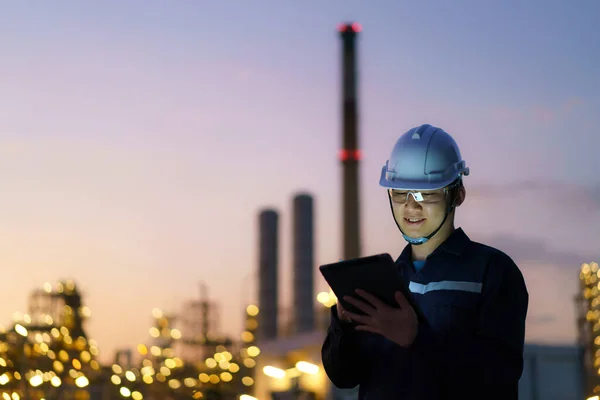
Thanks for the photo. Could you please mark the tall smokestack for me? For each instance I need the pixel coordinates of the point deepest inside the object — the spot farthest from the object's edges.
(267, 274)
(303, 237)
(350, 153)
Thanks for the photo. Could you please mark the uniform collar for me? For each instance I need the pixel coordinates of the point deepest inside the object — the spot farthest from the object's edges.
(455, 244)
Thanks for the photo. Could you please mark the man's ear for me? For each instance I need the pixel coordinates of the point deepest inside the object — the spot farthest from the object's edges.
(461, 194)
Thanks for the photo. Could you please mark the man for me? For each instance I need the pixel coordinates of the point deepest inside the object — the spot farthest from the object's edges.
(473, 297)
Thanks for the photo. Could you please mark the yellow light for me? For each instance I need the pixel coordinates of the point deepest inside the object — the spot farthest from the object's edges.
(189, 382)
(155, 350)
(115, 379)
(157, 313)
(247, 336)
(226, 376)
(253, 351)
(250, 363)
(58, 367)
(85, 312)
(174, 384)
(76, 363)
(233, 367)
(142, 349)
(176, 334)
(307, 367)
(4, 379)
(137, 395)
(147, 379)
(593, 398)
(247, 397)
(130, 376)
(323, 297)
(55, 381)
(211, 363)
(117, 369)
(204, 378)
(170, 363)
(21, 330)
(274, 372)
(154, 332)
(82, 381)
(125, 392)
(36, 380)
(251, 324)
(47, 287)
(214, 379)
(247, 381)
(252, 310)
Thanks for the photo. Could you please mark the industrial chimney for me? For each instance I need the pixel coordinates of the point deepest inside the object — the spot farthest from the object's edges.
(267, 275)
(303, 243)
(350, 153)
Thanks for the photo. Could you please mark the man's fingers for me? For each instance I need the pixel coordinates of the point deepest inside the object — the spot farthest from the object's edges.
(370, 298)
(367, 328)
(361, 319)
(401, 300)
(361, 305)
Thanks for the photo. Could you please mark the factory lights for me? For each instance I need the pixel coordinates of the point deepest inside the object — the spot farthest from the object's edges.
(307, 367)
(274, 372)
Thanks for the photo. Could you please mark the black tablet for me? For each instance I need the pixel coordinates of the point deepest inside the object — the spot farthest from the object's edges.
(375, 274)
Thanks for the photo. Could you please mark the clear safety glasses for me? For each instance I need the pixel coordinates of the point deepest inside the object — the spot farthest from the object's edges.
(426, 197)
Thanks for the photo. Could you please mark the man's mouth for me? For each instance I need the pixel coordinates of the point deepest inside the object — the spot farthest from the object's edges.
(414, 221)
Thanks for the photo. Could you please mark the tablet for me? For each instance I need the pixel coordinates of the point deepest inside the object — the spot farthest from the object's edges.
(375, 274)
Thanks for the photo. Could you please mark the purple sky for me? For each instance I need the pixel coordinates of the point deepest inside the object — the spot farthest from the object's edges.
(139, 140)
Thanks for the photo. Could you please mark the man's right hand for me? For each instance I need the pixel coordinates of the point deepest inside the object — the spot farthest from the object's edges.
(341, 313)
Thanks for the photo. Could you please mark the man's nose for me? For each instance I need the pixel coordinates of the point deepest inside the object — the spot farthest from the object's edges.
(411, 203)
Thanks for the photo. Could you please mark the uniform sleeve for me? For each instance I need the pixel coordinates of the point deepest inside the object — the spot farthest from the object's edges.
(340, 354)
(489, 364)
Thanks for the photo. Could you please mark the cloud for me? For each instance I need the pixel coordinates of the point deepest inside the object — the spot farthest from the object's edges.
(537, 113)
(586, 197)
(532, 250)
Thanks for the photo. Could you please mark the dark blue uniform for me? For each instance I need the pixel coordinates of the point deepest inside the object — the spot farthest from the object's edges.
(475, 301)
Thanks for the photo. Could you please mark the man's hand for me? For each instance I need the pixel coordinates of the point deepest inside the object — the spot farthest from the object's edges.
(396, 324)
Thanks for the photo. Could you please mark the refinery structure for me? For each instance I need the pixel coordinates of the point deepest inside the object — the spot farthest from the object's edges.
(588, 306)
(290, 362)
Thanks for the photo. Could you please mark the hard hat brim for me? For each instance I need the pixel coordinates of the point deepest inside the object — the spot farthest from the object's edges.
(404, 184)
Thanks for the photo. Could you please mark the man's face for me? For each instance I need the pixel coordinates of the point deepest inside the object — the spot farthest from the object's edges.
(419, 218)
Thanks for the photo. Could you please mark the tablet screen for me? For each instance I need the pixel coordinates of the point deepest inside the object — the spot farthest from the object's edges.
(376, 274)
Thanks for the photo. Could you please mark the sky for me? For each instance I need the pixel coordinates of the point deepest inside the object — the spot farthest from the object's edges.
(139, 141)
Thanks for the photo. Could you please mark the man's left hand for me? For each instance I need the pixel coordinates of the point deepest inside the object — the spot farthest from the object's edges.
(399, 325)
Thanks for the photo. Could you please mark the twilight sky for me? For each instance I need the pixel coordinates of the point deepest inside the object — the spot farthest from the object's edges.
(139, 140)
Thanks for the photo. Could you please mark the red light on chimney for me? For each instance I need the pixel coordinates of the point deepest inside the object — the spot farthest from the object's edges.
(354, 155)
(342, 27)
(356, 27)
